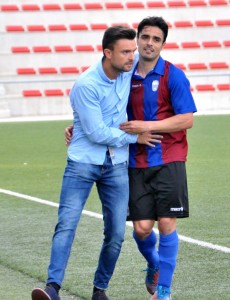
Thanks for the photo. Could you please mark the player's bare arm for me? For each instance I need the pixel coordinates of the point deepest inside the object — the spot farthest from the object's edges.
(172, 124)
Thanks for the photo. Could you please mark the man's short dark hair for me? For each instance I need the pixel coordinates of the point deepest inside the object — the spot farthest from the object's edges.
(115, 33)
(155, 22)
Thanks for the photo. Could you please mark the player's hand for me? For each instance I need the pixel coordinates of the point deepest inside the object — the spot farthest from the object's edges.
(150, 139)
(135, 126)
(68, 134)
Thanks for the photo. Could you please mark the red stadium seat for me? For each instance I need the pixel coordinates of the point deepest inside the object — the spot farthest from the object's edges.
(30, 7)
(20, 50)
(95, 5)
(84, 68)
(223, 87)
(72, 6)
(67, 91)
(53, 92)
(155, 4)
(26, 71)
(181, 66)
(17, 28)
(57, 27)
(226, 43)
(205, 87)
(31, 93)
(78, 27)
(197, 3)
(171, 46)
(9, 7)
(99, 47)
(37, 49)
(197, 66)
(223, 22)
(63, 48)
(187, 45)
(47, 70)
(120, 24)
(134, 4)
(51, 6)
(218, 65)
(36, 28)
(218, 2)
(66, 70)
(204, 23)
(183, 24)
(82, 48)
(99, 26)
(114, 5)
(211, 44)
(176, 3)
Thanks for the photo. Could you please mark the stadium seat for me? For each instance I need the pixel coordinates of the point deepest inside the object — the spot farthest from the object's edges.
(84, 68)
(9, 7)
(134, 4)
(17, 28)
(81, 48)
(171, 46)
(223, 87)
(63, 48)
(67, 91)
(26, 71)
(78, 27)
(205, 87)
(37, 49)
(226, 43)
(72, 6)
(114, 5)
(66, 70)
(57, 27)
(186, 45)
(197, 66)
(197, 3)
(176, 3)
(223, 22)
(204, 23)
(53, 92)
(211, 44)
(183, 24)
(36, 28)
(99, 47)
(30, 7)
(155, 4)
(47, 70)
(218, 2)
(120, 23)
(20, 49)
(99, 26)
(181, 66)
(51, 6)
(95, 5)
(218, 65)
(31, 93)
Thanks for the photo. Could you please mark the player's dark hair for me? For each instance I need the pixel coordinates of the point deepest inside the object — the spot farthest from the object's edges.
(115, 33)
(155, 22)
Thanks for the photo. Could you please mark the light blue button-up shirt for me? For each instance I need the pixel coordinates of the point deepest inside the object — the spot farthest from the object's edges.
(99, 107)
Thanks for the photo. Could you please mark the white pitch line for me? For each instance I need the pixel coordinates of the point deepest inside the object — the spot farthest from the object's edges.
(99, 216)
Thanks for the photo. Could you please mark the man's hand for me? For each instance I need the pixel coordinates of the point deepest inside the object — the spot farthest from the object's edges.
(150, 139)
(68, 134)
(135, 126)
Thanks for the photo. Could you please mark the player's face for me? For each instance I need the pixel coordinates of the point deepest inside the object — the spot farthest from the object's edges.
(122, 55)
(150, 43)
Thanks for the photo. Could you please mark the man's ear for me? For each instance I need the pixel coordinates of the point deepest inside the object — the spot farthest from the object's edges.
(107, 53)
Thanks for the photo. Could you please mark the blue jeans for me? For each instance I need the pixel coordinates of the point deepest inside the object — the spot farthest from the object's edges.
(113, 190)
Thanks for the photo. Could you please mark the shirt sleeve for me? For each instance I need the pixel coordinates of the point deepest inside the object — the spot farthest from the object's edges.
(85, 101)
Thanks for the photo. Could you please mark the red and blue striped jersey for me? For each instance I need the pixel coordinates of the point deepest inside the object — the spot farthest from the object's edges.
(163, 93)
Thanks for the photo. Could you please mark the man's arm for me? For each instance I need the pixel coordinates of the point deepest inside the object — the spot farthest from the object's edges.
(173, 124)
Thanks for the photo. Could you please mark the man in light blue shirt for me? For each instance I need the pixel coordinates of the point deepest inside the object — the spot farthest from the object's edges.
(97, 154)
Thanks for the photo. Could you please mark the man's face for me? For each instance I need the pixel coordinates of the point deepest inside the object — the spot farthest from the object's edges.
(150, 43)
(122, 55)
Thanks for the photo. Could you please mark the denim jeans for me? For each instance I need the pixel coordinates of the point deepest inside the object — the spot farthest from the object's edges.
(112, 186)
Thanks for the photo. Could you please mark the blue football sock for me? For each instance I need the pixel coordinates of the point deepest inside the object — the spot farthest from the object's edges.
(168, 250)
(147, 247)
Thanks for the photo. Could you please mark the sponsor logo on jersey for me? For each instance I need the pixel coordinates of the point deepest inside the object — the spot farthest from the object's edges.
(155, 85)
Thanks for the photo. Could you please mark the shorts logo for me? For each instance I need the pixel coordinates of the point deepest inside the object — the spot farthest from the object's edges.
(176, 209)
